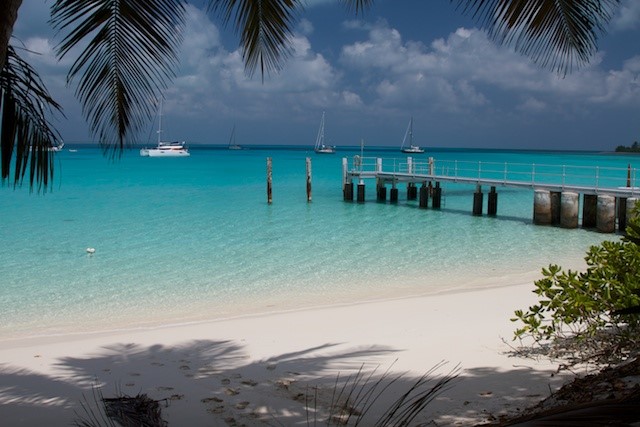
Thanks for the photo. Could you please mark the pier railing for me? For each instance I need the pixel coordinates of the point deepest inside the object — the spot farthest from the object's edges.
(596, 178)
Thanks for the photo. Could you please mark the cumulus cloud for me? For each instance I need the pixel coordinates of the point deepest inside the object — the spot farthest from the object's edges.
(468, 71)
(627, 16)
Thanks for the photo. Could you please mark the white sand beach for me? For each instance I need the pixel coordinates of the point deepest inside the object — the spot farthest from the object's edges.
(260, 370)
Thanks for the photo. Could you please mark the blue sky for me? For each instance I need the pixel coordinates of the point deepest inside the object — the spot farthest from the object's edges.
(371, 73)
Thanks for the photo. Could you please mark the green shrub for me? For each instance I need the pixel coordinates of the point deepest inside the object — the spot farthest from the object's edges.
(593, 314)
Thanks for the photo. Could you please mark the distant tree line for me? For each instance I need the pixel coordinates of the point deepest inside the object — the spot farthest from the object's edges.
(634, 148)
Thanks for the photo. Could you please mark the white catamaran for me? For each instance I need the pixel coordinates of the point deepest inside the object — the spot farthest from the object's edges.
(320, 148)
(165, 149)
(409, 134)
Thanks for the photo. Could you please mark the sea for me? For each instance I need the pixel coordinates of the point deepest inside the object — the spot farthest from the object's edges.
(182, 240)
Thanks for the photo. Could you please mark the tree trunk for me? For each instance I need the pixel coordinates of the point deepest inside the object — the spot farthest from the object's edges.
(8, 16)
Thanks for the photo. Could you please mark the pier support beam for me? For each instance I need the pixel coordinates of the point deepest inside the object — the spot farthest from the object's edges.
(437, 196)
(589, 211)
(393, 195)
(360, 195)
(412, 191)
(621, 203)
(606, 214)
(269, 181)
(569, 208)
(555, 207)
(424, 196)
(381, 192)
(492, 202)
(631, 203)
(308, 163)
(542, 207)
(477, 201)
(347, 192)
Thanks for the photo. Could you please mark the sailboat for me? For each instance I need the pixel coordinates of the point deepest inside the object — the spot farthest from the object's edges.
(164, 148)
(232, 140)
(410, 148)
(320, 148)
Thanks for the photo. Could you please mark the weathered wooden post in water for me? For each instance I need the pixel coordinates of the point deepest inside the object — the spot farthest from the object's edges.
(477, 201)
(437, 196)
(347, 184)
(393, 194)
(308, 161)
(554, 197)
(589, 210)
(360, 193)
(381, 189)
(622, 212)
(269, 181)
(492, 202)
(424, 196)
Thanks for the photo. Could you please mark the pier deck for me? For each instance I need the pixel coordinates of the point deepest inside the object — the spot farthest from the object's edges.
(591, 180)
(609, 194)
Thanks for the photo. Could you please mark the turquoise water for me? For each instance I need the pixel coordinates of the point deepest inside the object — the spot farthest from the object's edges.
(187, 239)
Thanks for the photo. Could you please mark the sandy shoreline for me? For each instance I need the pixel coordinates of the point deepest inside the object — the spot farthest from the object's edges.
(258, 369)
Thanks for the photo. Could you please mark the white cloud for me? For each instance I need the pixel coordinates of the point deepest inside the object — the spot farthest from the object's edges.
(214, 79)
(627, 16)
(468, 71)
(532, 105)
(305, 27)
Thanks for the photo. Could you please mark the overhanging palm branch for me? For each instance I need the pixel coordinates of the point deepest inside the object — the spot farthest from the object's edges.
(26, 137)
(556, 34)
(265, 28)
(130, 56)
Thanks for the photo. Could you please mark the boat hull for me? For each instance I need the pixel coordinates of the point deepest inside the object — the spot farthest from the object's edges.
(158, 152)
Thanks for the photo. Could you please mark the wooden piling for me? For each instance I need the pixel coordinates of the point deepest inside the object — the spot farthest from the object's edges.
(622, 213)
(477, 201)
(308, 179)
(492, 202)
(360, 193)
(554, 198)
(347, 192)
(269, 181)
(437, 196)
(412, 191)
(381, 192)
(393, 194)
(424, 196)
(589, 210)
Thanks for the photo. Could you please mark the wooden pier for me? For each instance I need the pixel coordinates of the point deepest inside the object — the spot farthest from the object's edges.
(608, 194)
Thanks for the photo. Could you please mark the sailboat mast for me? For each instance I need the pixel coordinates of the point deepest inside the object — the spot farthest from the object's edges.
(320, 137)
(411, 132)
(160, 123)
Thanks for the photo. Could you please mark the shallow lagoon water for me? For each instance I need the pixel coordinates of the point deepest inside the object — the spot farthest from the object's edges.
(188, 239)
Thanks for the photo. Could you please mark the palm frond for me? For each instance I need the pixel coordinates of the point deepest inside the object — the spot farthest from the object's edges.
(128, 59)
(358, 6)
(265, 28)
(556, 34)
(26, 137)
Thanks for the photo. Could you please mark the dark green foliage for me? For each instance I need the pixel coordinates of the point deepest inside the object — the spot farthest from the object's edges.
(634, 148)
(26, 137)
(128, 57)
(559, 35)
(590, 312)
